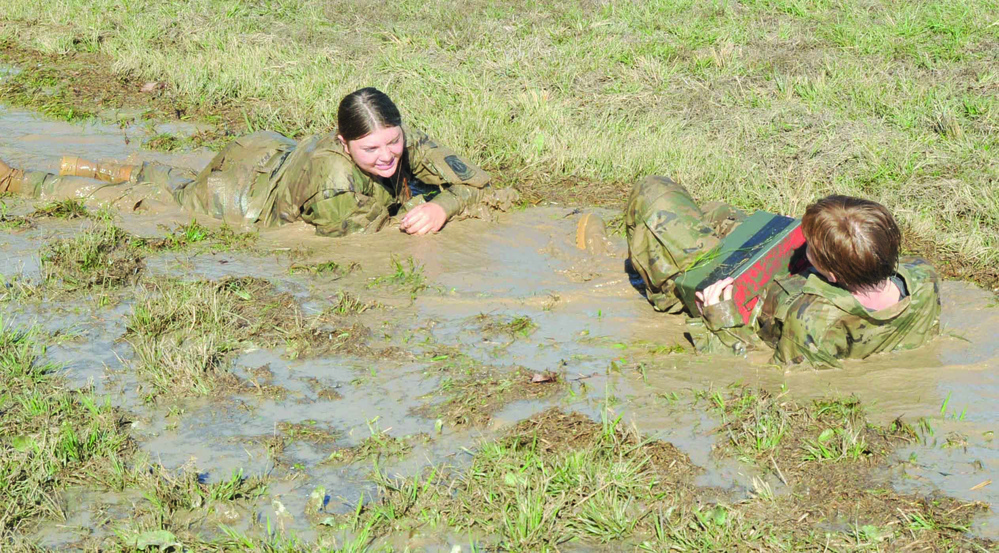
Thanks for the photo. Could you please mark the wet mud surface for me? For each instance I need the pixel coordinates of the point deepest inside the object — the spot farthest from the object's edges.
(406, 353)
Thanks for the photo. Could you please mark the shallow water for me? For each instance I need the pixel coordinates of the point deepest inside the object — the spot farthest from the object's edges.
(593, 328)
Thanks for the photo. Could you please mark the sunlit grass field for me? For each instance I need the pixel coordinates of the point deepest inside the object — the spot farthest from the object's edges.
(762, 103)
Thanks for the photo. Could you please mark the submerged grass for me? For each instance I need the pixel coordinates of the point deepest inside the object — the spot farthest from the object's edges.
(100, 256)
(379, 445)
(51, 437)
(70, 208)
(13, 222)
(767, 104)
(195, 237)
(777, 432)
(471, 396)
(328, 269)
(184, 333)
(560, 478)
(519, 326)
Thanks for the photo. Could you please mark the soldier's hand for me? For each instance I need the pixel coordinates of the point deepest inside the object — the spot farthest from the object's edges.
(715, 293)
(423, 219)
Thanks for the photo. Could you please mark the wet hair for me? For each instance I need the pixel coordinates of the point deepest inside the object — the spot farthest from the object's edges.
(856, 240)
(364, 111)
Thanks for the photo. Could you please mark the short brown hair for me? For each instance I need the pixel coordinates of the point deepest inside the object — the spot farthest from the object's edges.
(856, 240)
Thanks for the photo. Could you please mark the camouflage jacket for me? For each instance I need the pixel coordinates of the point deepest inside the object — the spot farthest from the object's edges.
(266, 178)
(805, 319)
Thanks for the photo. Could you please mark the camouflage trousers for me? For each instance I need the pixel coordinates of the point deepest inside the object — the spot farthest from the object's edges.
(667, 230)
(156, 182)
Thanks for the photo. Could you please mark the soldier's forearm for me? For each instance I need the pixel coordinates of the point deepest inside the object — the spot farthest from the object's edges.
(456, 198)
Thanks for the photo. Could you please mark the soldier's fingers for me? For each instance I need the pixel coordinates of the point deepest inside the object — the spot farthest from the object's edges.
(423, 229)
(711, 294)
(406, 221)
(727, 292)
(420, 225)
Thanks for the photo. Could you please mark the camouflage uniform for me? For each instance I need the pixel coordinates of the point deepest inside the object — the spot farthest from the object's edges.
(802, 317)
(268, 179)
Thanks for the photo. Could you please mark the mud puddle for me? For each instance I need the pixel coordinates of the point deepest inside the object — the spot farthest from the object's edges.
(454, 339)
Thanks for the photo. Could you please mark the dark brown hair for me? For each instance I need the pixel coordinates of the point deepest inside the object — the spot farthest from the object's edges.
(363, 111)
(856, 240)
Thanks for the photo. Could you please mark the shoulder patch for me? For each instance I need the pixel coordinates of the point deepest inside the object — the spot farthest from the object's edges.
(463, 171)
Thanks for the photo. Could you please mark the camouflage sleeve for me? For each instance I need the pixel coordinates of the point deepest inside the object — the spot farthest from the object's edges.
(720, 330)
(435, 164)
(808, 337)
(342, 213)
(337, 208)
(456, 198)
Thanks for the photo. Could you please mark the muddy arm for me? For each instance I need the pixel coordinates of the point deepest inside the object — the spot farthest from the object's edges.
(455, 198)
(340, 204)
(721, 330)
(344, 212)
(461, 181)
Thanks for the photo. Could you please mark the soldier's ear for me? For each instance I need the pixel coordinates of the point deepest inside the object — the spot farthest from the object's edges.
(343, 142)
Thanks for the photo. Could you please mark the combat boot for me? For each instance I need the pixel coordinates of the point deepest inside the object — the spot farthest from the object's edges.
(10, 179)
(107, 172)
(591, 234)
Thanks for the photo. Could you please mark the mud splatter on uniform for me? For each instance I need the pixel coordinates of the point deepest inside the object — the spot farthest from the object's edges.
(268, 179)
(804, 318)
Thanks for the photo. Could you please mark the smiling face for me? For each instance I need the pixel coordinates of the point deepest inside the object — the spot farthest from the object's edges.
(377, 153)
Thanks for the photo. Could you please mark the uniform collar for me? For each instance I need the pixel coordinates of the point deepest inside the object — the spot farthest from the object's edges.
(845, 301)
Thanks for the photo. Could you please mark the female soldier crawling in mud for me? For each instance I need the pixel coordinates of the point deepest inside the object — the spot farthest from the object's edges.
(855, 300)
(348, 181)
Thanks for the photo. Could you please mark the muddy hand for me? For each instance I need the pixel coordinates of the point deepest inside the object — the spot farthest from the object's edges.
(715, 293)
(423, 219)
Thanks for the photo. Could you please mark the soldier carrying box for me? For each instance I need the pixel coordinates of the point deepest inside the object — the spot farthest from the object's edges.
(853, 297)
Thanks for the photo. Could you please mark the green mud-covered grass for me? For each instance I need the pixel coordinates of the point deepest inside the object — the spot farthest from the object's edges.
(195, 238)
(555, 480)
(101, 260)
(51, 437)
(55, 440)
(185, 333)
(11, 222)
(765, 104)
(774, 431)
(561, 478)
(406, 276)
(309, 431)
(101, 256)
(347, 304)
(378, 446)
(328, 269)
(515, 327)
(473, 395)
(69, 208)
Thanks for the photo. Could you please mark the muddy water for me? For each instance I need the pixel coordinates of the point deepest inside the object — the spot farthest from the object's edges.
(592, 328)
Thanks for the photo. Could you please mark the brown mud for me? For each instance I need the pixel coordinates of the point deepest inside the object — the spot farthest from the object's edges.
(365, 359)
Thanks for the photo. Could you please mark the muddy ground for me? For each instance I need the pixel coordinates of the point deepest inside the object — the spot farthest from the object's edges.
(307, 383)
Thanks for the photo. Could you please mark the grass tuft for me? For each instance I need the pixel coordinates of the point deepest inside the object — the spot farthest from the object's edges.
(70, 208)
(51, 437)
(100, 256)
(196, 237)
